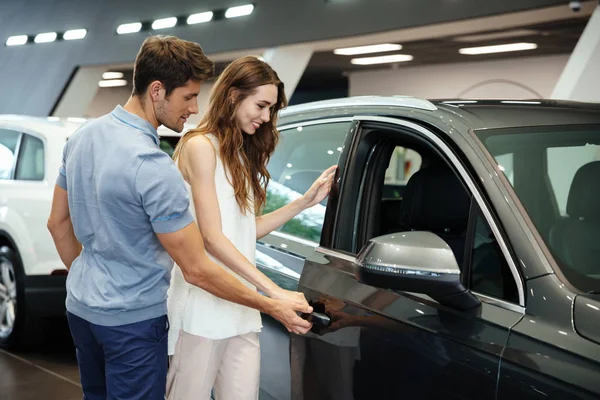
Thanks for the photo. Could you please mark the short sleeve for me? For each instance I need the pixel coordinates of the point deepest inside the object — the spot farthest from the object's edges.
(162, 191)
(61, 180)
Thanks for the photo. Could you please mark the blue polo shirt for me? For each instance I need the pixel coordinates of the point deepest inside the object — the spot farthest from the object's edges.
(122, 190)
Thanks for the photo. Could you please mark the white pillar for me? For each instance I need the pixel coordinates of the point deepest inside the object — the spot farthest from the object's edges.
(80, 92)
(580, 80)
(289, 62)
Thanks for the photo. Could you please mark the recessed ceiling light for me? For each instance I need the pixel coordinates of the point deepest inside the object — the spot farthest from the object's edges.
(164, 23)
(16, 40)
(199, 18)
(112, 83)
(129, 28)
(112, 75)
(502, 48)
(239, 11)
(47, 37)
(74, 34)
(374, 48)
(382, 59)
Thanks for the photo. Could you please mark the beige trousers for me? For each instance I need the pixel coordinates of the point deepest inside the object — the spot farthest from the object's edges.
(230, 366)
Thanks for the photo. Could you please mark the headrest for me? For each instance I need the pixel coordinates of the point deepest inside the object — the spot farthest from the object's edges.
(584, 195)
(435, 200)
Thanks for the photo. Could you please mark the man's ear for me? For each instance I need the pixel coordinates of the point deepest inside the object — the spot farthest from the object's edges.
(156, 90)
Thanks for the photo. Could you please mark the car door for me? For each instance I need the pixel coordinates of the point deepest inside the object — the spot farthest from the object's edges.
(305, 150)
(386, 344)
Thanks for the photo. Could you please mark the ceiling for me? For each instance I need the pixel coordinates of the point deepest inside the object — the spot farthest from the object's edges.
(556, 37)
(328, 71)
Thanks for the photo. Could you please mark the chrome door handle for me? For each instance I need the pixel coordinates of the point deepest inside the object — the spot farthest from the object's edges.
(319, 320)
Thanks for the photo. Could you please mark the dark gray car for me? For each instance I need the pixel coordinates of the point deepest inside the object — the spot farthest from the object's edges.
(457, 256)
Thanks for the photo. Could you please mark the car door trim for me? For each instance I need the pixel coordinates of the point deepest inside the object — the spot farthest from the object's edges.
(336, 254)
(499, 303)
(467, 179)
(295, 239)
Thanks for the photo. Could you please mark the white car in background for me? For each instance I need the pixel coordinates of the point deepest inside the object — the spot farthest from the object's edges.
(32, 276)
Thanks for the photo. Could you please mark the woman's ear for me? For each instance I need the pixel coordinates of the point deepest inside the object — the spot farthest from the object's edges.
(232, 96)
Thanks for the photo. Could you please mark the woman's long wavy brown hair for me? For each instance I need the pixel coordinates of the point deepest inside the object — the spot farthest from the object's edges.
(244, 156)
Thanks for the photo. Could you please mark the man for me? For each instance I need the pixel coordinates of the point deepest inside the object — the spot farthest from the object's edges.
(120, 216)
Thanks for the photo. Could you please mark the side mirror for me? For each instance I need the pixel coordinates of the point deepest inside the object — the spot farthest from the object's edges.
(419, 262)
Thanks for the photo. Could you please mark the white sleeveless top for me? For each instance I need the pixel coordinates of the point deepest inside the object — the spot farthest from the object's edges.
(195, 310)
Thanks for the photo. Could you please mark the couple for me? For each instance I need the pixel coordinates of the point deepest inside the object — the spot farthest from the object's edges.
(121, 213)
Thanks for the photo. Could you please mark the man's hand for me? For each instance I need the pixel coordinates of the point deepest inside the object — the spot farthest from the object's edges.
(285, 311)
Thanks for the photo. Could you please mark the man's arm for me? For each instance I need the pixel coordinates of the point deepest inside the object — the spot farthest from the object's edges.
(61, 228)
(186, 247)
(166, 202)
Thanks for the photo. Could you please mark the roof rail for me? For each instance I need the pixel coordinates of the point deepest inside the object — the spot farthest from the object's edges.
(382, 101)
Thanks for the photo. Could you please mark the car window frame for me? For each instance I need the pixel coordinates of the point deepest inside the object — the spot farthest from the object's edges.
(287, 237)
(445, 149)
(16, 152)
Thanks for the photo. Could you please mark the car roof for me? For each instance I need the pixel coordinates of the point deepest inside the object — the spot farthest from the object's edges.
(44, 126)
(489, 114)
(477, 114)
(64, 126)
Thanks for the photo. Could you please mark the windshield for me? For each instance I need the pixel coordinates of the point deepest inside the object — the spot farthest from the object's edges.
(555, 172)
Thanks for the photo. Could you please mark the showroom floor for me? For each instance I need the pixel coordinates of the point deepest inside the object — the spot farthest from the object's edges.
(51, 373)
(47, 373)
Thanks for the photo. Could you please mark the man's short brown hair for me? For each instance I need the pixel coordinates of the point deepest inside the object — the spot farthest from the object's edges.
(170, 60)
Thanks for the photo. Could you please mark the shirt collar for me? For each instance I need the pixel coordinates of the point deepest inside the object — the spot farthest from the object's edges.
(136, 122)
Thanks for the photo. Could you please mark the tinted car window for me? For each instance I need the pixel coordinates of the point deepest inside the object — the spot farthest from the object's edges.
(556, 174)
(561, 173)
(8, 146)
(490, 273)
(302, 154)
(30, 165)
(403, 164)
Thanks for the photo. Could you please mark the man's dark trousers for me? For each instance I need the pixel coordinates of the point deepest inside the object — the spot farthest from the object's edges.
(126, 362)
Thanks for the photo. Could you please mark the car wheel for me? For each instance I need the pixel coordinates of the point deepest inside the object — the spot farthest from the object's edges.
(17, 330)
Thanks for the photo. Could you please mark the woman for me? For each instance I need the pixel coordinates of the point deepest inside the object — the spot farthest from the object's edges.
(214, 342)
